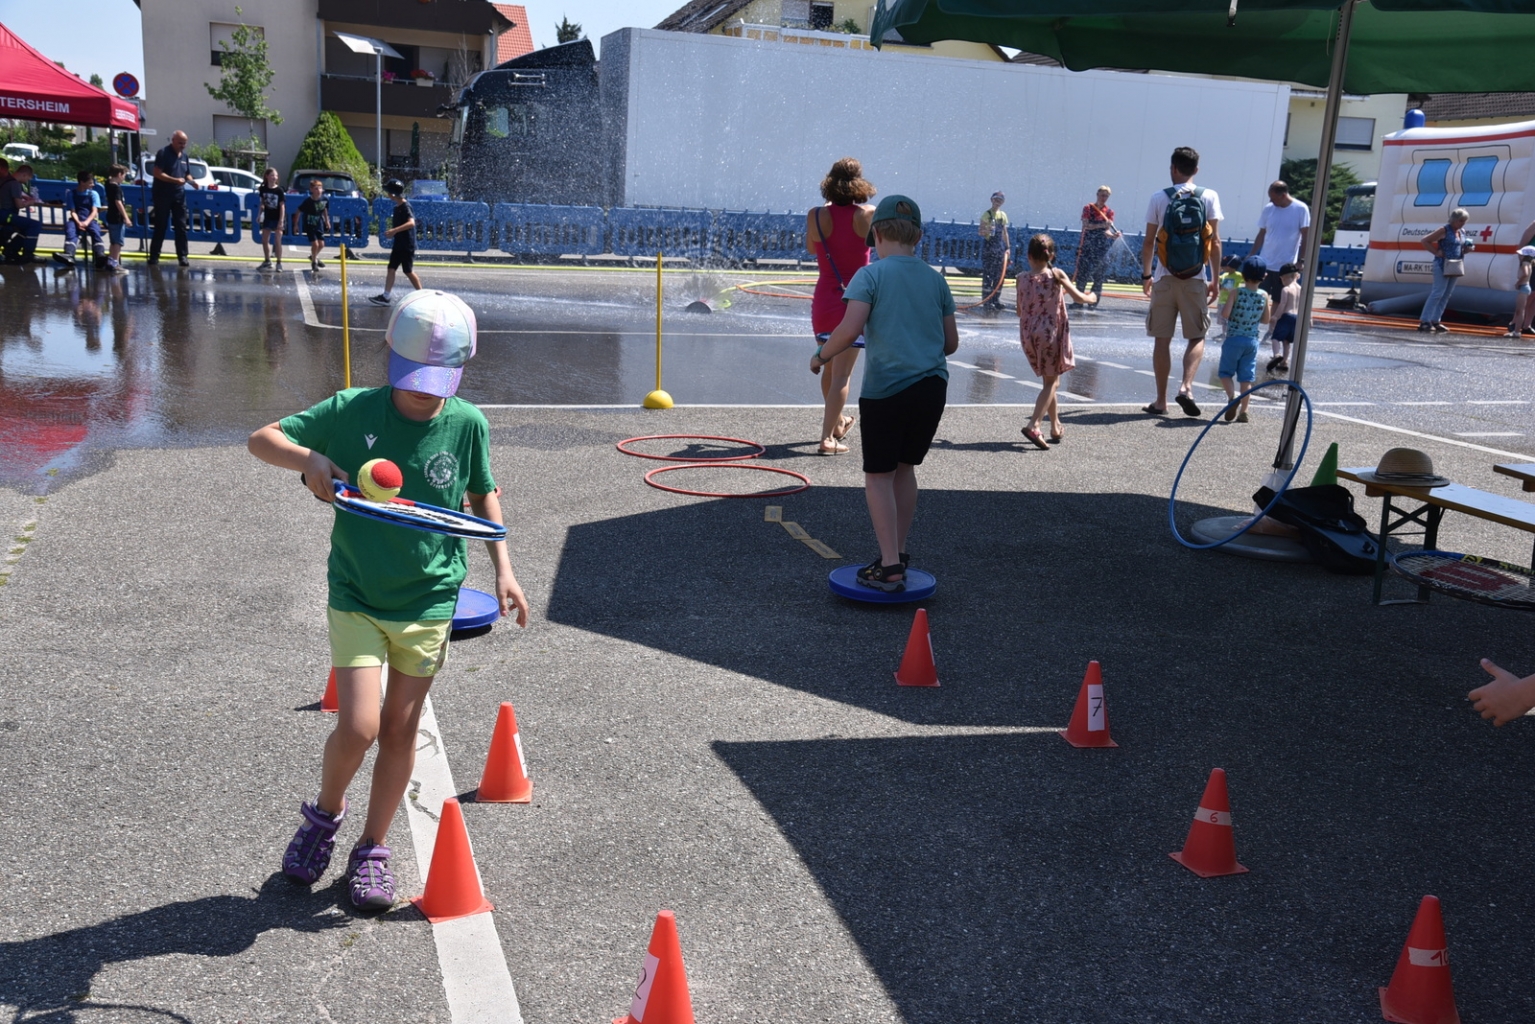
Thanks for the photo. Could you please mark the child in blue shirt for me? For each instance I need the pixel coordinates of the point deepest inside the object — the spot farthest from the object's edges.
(81, 208)
(904, 309)
(1244, 311)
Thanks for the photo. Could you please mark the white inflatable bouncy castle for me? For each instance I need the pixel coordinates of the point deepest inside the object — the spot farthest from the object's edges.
(1424, 174)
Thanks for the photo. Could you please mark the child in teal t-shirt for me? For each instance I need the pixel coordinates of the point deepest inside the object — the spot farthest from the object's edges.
(904, 309)
(392, 590)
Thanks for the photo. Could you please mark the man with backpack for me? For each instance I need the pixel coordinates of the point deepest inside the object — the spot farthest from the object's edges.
(1183, 233)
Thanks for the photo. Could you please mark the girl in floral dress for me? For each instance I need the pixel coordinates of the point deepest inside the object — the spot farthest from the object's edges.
(1045, 333)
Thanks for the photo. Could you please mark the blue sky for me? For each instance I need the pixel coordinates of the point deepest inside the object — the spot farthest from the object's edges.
(102, 36)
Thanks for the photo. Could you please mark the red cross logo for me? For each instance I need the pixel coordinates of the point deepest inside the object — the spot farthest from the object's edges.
(1486, 232)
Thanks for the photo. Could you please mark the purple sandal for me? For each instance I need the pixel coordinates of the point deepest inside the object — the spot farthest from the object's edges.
(308, 855)
(369, 880)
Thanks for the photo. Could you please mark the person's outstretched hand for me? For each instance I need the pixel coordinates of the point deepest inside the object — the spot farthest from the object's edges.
(1504, 699)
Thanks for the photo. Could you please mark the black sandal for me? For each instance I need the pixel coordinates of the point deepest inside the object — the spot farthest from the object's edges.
(878, 577)
(1186, 403)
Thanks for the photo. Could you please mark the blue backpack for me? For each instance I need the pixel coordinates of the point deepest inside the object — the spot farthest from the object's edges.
(1183, 241)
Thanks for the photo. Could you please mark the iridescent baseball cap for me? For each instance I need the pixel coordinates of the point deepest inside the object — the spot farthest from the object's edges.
(431, 336)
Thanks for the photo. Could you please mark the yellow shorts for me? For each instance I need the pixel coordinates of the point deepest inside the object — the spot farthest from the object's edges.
(1174, 299)
(414, 648)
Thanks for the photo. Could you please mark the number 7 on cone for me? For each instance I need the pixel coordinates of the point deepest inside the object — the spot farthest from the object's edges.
(1090, 718)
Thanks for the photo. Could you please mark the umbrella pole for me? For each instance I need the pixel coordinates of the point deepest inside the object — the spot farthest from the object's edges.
(1282, 458)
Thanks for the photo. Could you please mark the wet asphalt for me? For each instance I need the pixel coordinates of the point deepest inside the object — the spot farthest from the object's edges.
(708, 729)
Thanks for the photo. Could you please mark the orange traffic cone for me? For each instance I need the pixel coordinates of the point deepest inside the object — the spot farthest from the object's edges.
(917, 665)
(1090, 719)
(330, 703)
(1420, 991)
(661, 997)
(505, 778)
(1210, 850)
(453, 882)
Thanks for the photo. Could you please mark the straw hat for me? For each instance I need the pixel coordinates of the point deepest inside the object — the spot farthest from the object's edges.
(1405, 467)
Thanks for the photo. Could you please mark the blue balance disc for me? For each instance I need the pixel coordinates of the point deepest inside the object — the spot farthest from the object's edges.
(475, 609)
(844, 583)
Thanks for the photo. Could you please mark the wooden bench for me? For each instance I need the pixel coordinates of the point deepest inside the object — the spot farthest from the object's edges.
(1433, 503)
(1524, 472)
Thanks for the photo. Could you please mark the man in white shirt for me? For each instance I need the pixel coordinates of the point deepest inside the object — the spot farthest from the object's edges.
(1282, 228)
(1174, 297)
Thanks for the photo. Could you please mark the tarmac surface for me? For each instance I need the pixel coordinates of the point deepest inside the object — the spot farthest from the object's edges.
(708, 729)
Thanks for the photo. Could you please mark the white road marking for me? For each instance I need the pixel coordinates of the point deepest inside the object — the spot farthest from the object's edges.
(1422, 403)
(1072, 395)
(1489, 433)
(1498, 401)
(1342, 403)
(1115, 366)
(1030, 384)
(475, 977)
(1427, 437)
(306, 301)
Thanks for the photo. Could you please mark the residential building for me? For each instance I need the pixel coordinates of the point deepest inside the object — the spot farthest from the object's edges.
(828, 23)
(441, 43)
(1362, 122)
(518, 42)
(1455, 109)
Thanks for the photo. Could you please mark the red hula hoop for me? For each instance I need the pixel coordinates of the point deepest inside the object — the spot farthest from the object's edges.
(761, 449)
(804, 480)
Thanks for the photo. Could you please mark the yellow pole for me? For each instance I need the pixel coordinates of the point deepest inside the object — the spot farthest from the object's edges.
(658, 399)
(346, 324)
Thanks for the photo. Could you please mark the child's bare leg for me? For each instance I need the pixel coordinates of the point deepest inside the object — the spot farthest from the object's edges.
(1042, 403)
(357, 725)
(879, 490)
(415, 282)
(1230, 388)
(1247, 386)
(266, 246)
(398, 723)
(389, 281)
(905, 504)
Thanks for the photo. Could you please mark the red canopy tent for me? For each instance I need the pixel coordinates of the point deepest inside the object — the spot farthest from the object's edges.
(34, 88)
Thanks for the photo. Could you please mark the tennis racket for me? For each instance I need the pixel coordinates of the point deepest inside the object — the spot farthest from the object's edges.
(416, 515)
(1471, 577)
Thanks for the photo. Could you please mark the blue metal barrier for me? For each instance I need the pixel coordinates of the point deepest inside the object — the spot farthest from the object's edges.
(349, 220)
(676, 233)
(741, 237)
(952, 245)
(211, 216)
(1339, 266)
(441, 226)
(524, 230)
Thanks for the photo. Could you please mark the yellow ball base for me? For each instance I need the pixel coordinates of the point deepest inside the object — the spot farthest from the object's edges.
(657, 399)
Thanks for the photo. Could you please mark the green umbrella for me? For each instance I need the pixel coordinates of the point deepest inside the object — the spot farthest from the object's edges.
(1345, 45)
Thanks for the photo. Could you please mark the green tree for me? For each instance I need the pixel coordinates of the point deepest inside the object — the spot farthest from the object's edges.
(328, 147)
(97, 82)
(567, 31)
(244, 75)
(1300, 175)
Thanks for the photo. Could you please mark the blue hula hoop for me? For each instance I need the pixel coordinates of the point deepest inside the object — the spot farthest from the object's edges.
(1172, 499)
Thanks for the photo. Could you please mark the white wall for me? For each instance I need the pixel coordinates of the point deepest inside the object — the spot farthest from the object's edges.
(725, 123)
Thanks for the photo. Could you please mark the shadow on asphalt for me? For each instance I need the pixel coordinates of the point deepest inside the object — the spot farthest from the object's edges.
(48, 979)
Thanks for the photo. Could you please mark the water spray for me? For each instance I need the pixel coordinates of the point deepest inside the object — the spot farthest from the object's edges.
(658, 399)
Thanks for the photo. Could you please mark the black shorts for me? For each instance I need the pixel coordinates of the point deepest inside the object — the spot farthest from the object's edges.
(1273, 283)
(315, 235)
(271, 222)
(403, 258)
(900, 428)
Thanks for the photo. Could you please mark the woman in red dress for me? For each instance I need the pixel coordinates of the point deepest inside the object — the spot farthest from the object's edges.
(837, 233)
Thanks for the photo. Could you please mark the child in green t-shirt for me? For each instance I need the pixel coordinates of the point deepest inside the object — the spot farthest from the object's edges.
(905, 310)
(392, 590)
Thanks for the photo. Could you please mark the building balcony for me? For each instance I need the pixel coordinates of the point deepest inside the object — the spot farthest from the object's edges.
(468, 16)
(348, 94)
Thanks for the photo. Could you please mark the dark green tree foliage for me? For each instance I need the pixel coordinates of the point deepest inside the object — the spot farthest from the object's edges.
(1300, 175)
(567, 31)
(328, 147)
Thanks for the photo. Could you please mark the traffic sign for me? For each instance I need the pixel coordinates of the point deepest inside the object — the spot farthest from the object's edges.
(126, 85)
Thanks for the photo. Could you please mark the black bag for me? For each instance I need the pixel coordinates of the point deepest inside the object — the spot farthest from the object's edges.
(1333, 533)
